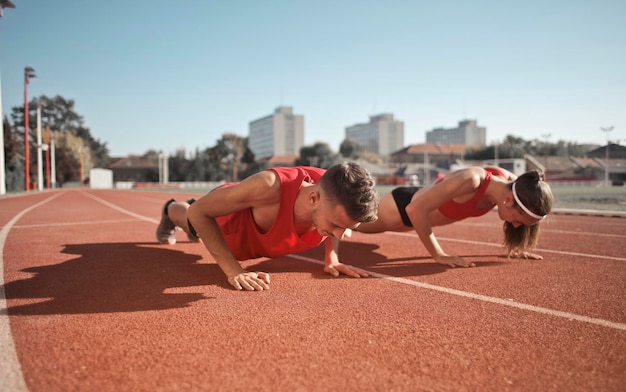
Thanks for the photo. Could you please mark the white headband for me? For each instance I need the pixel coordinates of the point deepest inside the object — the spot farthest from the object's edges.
(523, 207)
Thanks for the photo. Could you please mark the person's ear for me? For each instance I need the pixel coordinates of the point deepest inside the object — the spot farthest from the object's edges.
(314, 198)
(509, 200)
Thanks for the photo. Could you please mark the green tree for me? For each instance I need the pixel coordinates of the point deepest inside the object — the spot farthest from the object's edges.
(351, 149)
(318, 155)
(14, 167)
(231, 156)
(59, 116)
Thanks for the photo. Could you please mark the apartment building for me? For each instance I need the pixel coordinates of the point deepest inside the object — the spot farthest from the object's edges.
(468, 132)
(382, 135)
(280, 133)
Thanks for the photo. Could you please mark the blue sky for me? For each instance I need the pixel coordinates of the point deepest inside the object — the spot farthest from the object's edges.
(166, 75)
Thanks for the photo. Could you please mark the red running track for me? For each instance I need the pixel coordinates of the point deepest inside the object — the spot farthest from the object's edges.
(92, 303)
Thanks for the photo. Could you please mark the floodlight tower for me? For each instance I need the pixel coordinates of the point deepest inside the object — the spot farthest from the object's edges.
(606, 156)
(546, 137)
(29, 73)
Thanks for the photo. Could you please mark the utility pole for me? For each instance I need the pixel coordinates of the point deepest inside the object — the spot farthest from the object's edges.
(39, 149)
(606, 156)
(29, 73)
(546, 136)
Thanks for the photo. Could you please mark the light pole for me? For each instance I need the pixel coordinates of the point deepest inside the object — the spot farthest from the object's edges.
(606, 157)
(29, 73)
(39, 149)
(53, 167)
(3, 188)
(546, 136)
(496, 161)
(46, 146)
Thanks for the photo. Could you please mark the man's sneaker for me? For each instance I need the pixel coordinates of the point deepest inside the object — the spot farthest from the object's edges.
(166, 230)
(191, 237)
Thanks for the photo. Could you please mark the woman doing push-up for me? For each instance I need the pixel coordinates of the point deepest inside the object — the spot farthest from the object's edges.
(522, 204)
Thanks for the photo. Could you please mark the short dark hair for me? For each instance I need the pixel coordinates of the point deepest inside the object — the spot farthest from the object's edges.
(352, 186)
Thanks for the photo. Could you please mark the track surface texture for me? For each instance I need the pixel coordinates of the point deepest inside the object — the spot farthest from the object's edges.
(90, 302)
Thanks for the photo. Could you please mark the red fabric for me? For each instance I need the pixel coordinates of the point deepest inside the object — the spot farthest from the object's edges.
(458, 211)
(243, 236)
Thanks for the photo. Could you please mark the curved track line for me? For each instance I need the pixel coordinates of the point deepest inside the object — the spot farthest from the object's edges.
(545, 230)
(480, 297)
(120, 209)
(11, 377)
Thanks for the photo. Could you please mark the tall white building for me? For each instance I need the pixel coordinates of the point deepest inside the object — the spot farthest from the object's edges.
(468, 132)
(382, 135)
(280, 133)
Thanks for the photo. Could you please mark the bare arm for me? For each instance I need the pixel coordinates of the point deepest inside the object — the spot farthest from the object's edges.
(332, 265)
(507, 174)
(261, 189)
(458, 184)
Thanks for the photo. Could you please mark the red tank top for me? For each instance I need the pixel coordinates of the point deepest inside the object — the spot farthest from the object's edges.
(243, 236)
(458, 211)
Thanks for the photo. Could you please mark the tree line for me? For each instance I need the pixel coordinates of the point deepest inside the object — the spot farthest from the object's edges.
(229, 159)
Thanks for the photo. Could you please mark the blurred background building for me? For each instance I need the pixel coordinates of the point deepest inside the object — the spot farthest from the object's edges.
(280, 133)
(382, 135)
(468, 132)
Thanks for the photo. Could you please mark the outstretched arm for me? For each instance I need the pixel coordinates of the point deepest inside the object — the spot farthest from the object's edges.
(457, 184)
(257, 190)
(332, 265)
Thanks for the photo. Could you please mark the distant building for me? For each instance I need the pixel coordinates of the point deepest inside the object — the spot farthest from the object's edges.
(135, 169)
(439, 155)
(280, 133)
(616, 151)
(468, 132)
(382, 135)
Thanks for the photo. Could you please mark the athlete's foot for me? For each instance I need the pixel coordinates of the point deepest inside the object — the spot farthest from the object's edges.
(166, 230)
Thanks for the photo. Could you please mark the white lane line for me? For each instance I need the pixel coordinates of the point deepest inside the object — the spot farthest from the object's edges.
(120, 209)
(11, 377)
(547, 230)
(481, 243)
(100, 222)
(480, 297)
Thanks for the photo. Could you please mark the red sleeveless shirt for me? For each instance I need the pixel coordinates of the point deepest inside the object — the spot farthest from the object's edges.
(458, 211)
(243, 236)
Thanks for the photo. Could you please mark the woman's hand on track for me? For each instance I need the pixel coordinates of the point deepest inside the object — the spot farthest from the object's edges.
(454, 261)
(524, 255)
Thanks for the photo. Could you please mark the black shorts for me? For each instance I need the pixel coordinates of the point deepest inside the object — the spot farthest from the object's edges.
(402, 196)
(189, 225)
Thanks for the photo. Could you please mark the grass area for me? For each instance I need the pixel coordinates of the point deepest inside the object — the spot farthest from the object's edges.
(578, 197)
(592, 198)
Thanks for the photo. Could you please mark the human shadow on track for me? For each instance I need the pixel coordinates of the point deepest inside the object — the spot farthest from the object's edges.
(113, 277)
(366, 256)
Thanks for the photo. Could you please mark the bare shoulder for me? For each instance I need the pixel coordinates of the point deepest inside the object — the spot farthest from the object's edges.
(260, 188)
(467, 179)
(507, 174)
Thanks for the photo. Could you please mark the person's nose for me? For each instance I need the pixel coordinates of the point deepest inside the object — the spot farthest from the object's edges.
(516, 224)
